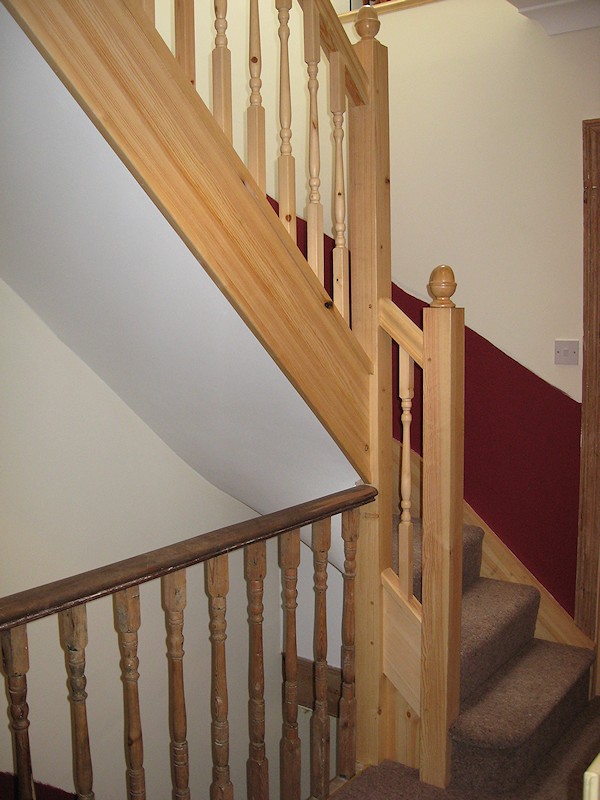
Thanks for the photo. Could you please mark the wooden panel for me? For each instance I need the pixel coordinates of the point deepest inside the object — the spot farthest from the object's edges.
(369, 228)
(306, 686)
(401, 639)
(124, 76)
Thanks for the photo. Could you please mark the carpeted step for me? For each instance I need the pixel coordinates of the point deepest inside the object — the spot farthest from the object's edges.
(472, 539)
(518, 715)
(498, 619)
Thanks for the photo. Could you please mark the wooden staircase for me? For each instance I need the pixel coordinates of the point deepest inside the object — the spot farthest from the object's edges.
(336, 351)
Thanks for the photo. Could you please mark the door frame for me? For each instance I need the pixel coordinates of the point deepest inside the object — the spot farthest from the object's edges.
(588, 548)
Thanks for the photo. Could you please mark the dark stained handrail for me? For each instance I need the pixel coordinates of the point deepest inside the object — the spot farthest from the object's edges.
(31, 604)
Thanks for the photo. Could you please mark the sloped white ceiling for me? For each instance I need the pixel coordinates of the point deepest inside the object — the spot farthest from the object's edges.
(561, 16)
(84, 246)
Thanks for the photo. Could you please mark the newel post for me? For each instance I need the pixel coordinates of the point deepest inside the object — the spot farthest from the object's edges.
(369, 234)
(443, 467)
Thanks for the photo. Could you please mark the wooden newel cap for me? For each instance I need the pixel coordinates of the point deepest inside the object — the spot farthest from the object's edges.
(441, 287)
(367, 23)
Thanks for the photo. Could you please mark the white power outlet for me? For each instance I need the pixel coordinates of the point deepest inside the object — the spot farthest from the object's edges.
(566, 351)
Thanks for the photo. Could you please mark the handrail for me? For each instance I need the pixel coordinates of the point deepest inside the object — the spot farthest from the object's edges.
(31, 604)
(335, 40)
(402, 329)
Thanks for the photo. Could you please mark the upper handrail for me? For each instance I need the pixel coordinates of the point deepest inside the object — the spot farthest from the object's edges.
(51, 598)
(334, 39)
(402, 329)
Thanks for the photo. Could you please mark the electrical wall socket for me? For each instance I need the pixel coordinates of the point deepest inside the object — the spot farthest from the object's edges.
(566, 351)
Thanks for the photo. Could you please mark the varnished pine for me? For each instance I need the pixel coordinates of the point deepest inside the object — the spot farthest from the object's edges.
(406, 375)
(74, 638)
(314, 211)
(341, 263)
(257, 767)
(185, 44)
(346, 733)
(256, 113)
(15, 665)
(128, 620)
(124, 76)
(59, 595)
(443, 469)
(289, 560)
(217, 587)
(149, 8)
(174, 602)
(319, 721)
(286, 169)
(370, 245)
(221, 71)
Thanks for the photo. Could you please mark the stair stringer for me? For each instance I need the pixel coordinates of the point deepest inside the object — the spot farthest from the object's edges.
(120, 71)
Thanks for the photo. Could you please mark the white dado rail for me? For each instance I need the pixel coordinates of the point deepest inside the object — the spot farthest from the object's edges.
(561, 16)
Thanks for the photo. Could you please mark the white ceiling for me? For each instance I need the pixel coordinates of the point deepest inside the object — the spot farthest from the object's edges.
(561, 16)
(84, 246)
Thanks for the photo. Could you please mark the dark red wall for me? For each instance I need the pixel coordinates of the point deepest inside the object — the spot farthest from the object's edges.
(521, 458)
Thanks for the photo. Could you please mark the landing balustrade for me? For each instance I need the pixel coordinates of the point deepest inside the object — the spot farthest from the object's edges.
(168, 568)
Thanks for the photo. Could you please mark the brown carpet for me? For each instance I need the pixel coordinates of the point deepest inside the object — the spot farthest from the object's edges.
(558, 777)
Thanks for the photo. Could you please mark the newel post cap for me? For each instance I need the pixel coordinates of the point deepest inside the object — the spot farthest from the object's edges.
(367, 22)
(441, 287)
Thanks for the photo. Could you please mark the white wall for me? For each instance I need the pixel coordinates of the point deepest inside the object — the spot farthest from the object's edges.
(486, 113)
(84, 482)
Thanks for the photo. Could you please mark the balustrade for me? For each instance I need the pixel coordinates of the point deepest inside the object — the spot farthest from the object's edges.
(69, 599)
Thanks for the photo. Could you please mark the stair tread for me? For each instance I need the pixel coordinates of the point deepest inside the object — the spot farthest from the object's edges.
(498, 619)
(521, 694)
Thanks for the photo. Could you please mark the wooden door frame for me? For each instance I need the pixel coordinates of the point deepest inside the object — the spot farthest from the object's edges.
(588, 550)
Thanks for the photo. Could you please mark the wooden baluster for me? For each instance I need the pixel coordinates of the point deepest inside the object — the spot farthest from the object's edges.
(174, 602)
(319, 721)
(221, 66)
(74, 638)
(256, 113)
(443, 442)
(405, 526)
(185, 44)
(314, 212)
(289, 560)
(257, 768)
(15, 662)
(346, 735)
(341, 273)
(286, 162)
(148, 6)
(217, 586)
(128, 620)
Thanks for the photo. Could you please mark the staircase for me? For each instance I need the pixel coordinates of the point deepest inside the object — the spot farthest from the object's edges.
(519, 694)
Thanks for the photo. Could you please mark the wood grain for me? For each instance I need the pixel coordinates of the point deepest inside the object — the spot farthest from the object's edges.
(402, 329)
(121, 72)
(185, 43)
(319, 721)
(346, 734)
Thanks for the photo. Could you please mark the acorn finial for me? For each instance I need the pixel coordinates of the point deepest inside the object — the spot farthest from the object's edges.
(442, 286)
(367, 22)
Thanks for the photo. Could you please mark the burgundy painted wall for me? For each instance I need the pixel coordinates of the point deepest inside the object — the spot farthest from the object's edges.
(521, 457)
